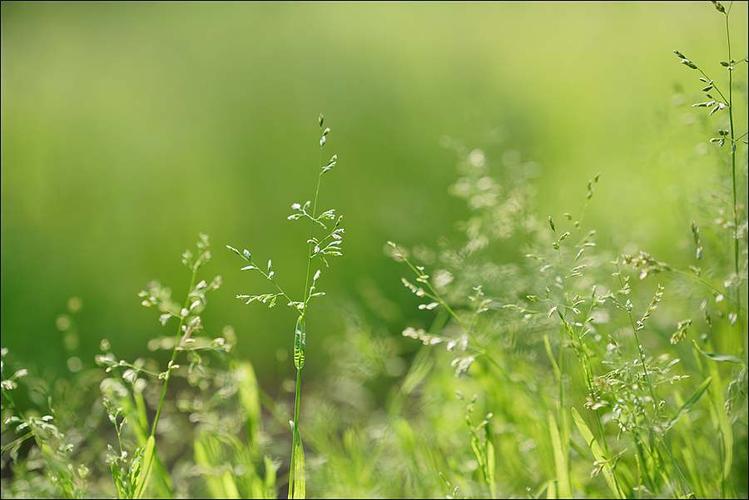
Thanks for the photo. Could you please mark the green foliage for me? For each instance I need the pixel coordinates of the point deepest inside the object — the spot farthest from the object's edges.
(595, 369)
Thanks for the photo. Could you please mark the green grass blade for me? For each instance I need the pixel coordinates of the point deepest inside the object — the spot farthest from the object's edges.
(250, 400)
(490, 465)
(269, 482)
(598, 454)
(550, 355)
(297, 486)
(145, 471)
(689, 403)
(560, 460)
(203, 459)
(551, 490)
(137, 413)
(230, 487)
(724, 422)
(720, 358)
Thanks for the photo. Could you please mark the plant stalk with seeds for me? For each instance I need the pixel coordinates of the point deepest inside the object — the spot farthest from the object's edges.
(189, 323)
(324, 242)
(717, 104)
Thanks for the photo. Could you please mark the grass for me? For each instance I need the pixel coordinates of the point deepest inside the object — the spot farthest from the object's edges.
(320, 248)
(572, 368)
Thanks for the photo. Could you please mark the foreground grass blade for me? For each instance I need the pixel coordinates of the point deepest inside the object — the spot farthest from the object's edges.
(297, 486)
(560, 460)
(689, 403)
(163, 483)
(724, 423)
(250, 400)
(598, 454)
(145, 470)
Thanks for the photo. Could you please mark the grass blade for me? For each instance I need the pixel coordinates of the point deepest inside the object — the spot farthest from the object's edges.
(297, 486)
(145, 470)
(560, 460)
(720, 358)
(598, 454)
(689, 403)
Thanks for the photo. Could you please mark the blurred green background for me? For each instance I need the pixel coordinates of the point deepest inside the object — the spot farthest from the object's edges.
(128, 128)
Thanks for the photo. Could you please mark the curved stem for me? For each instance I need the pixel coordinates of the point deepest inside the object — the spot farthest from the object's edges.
(702, 281)
(732, 131)
(311, 234)
(640, 350)
(295, 436)
(733, 153)
(165, 386)
(174, 355)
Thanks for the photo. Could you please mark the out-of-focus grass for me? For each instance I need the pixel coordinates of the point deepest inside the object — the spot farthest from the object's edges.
(128, 128)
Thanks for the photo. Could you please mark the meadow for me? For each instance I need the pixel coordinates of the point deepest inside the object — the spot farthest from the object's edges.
(374, 250)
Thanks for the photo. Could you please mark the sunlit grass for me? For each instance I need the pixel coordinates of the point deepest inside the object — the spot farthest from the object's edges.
(538, 359)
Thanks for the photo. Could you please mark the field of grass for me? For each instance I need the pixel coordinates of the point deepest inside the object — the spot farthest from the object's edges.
(533, 282)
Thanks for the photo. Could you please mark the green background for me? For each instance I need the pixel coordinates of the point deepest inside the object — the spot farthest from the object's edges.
(129, 128)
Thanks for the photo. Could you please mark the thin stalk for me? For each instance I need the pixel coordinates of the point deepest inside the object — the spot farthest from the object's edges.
(642, 361)
(298, 385)
(733, 153)
(165, 386)
(311, 234)
(715, 86)
(295, 431)
(653, 450)
(561, 376)
(703, 282)
(297, 395)
(582, 355)
(640, 350)
(467, 328)
(733, 182)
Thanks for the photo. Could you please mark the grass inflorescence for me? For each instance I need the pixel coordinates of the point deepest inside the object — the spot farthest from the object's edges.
(540, 359)
(323, 243)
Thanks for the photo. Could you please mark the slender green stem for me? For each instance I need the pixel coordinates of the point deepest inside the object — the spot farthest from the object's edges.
(642, 361)
(582, 355)
(733, 152)
(298, 395)
(703, 282)
(560, 362)
(640, 350)
(311, 233)
(433, 294)
(295, 431)
(715, 86)
(270, 278)
(298, 385)
(165, 387)
(167, 376)
(733, 181)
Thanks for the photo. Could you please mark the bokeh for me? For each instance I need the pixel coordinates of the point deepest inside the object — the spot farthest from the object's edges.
(128, 128)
